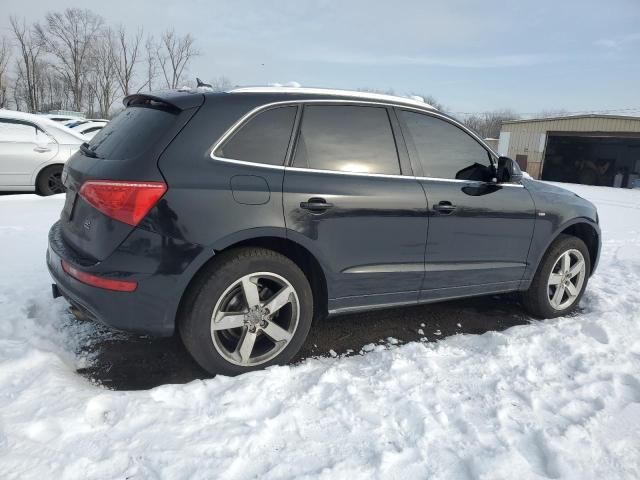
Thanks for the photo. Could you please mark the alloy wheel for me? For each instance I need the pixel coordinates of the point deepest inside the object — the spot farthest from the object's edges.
(255, 319)
(566, 279)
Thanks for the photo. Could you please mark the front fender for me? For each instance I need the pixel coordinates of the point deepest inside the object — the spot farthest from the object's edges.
(545, 234)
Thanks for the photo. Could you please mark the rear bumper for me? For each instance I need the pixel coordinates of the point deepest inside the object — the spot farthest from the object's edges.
(150, 309)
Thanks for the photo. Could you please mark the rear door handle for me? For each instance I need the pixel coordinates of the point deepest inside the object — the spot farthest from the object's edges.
(41, 149)
(444, 208)
(316, 204)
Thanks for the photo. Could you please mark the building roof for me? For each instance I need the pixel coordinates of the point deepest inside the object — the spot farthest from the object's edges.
(413, 101)
(573, 117)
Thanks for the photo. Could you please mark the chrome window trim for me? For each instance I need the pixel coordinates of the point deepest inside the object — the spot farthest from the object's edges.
(244, 162)
(455, 180)
(247, 116)
(361, 174)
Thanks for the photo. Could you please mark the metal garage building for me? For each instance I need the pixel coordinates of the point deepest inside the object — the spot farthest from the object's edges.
(589, 149)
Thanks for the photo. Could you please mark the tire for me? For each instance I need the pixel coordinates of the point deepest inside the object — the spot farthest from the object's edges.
(263, 305)
(553, 296)
(49, 181)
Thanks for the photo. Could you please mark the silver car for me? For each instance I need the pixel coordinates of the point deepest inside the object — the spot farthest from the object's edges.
(33, 150)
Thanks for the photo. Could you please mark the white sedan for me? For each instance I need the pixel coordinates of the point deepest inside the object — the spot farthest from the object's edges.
(33, 150)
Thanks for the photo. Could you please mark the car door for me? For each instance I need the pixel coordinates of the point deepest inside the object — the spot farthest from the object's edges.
(348, 200)
(23, 146)
(479, 231)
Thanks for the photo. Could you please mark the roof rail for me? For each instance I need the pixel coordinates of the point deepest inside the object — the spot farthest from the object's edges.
(336, 92)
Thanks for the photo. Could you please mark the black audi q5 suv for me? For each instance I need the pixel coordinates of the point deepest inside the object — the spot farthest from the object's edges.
(237, 218)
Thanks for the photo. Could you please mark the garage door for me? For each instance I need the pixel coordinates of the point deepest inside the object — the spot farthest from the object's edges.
(592, 158)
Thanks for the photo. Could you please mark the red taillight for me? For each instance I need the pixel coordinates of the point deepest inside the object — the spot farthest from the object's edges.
(127, 202)
(100, 282)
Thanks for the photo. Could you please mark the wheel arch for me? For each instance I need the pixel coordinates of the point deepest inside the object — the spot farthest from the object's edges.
(295, 252)
(582, 228)
(586, 232)
(36, 176)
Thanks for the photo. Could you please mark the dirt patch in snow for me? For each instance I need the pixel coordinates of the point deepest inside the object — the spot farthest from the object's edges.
(129, 362)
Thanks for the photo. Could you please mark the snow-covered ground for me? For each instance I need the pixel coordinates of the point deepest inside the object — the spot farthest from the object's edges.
(553, 399)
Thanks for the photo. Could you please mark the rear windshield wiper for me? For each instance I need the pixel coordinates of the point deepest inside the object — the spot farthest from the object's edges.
(87, 151)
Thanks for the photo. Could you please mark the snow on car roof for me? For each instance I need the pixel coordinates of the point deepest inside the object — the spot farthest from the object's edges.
(43, 122)
(337, 92)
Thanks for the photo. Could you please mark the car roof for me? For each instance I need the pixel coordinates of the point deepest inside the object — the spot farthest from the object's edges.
(45, 123)
(337, 94)
(32, 117)
(187, 97)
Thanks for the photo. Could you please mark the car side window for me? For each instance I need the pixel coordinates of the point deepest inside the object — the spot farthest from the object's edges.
(263, 139)
(18, 132)
(444, 150)
(347, 138)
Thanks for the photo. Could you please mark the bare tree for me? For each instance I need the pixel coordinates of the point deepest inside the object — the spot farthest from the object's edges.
(221, 84)
(488, 124)
(55, 94)
(174, 53)
(69, 37)
(151, 63)
(28, 65)
(125, 53)
(59, 63)
(103, 76)
(5, 55)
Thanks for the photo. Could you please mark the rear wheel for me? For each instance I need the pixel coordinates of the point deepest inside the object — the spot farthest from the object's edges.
(250, 309)
(560, 280)
(49, 181)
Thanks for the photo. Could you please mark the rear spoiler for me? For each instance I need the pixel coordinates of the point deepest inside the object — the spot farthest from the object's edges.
(172, 99)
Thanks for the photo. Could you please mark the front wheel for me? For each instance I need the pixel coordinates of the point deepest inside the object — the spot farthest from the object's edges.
(560, 280)
(250, 309)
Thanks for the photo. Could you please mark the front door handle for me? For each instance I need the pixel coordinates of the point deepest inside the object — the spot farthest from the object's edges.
(444, 208)
(316, 204)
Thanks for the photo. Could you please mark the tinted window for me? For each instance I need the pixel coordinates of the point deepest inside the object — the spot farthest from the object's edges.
(348, 139)
(264, 139)
(446, 151)
(131, 133)
(16, 131)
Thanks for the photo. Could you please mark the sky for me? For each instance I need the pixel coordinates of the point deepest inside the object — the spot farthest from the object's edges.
(472, 56)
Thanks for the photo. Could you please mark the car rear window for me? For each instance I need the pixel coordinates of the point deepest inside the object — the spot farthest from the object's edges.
(131, 133)
(264, 139)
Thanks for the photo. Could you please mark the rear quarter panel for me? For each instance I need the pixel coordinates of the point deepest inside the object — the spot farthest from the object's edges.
(199, 205)
(62, 155)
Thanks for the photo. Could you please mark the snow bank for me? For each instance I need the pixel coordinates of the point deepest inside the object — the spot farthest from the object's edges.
(554, 399)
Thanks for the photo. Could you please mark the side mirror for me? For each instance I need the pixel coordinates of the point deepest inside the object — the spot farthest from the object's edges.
(508, 171)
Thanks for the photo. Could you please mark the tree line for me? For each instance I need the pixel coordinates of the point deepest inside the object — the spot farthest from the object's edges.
(486, 124)
(73, 60)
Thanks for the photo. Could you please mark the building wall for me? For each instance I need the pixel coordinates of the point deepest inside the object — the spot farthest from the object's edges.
(492, 142)
(530, 137)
